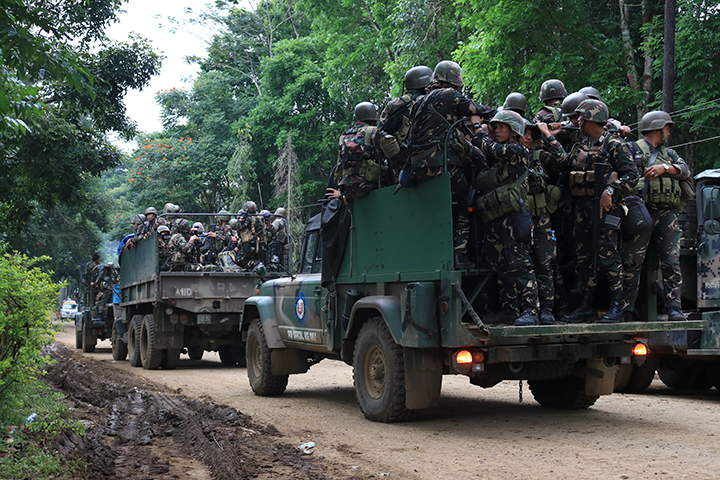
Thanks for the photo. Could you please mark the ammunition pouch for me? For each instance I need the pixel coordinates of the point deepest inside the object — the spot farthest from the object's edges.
(663, 190)
(582, 183)
(537, 204)
(365, 168)
(553, 197)
(487, 180)
(502, 201)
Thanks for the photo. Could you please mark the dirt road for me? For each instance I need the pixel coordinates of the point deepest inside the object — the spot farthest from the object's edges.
(475, 433)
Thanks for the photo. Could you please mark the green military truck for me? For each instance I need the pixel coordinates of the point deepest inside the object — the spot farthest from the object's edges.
(401, 315)
(167, 313)
(689, 359)
(97, 320)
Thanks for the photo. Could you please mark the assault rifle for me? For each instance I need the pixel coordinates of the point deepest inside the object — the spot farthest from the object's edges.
(210, 241)
(599, 184)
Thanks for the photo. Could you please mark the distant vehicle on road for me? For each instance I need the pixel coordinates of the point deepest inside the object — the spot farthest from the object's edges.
(69, 309)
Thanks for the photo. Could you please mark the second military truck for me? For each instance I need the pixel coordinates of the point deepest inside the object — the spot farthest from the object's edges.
(403, 317)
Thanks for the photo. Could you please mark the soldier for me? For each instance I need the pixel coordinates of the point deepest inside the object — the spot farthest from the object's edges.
(225, 242)
(659, 187)
(391, 135)
(139, 227)
(163, 241)
(516, 102)
(89, 279)
(570, 133)
(276, 246)
(180, 248)
(358, 165)
(602, 148)
(152, 218)
(502, 206)
(106, 277)
(552, 93)
(173, 219)
(545, 152)
(252, 235)
(441, 109)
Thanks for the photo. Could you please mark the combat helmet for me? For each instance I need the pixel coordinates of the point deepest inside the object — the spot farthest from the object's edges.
(516, 102)
(150, 210)
(168, 208)
(183, 226)
(593, 110)
(265, 213)
(449, 72)
(199, 226)
(281, 211)
(571, 102)
(591, 92)
(365, 112)
(655, 120)
(233, 223)
(163, 229)
(417, 78)
(139, 219)
(223, 215)
(250, 207)
(551, 89)
(513, 119)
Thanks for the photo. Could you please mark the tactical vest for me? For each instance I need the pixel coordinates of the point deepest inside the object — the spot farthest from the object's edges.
(393, 140)
(357, 155)
(582, 173)
(662, 190)
(498, 195)
(536, 186)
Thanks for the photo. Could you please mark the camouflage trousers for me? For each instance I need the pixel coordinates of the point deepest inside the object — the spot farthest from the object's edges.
(459, 188)
(664, 233)
(543, 253)
(510, 259)
(608, 256)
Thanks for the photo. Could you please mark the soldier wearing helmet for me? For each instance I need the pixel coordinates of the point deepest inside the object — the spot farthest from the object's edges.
(225, 242)
(552, 93)
(251, 245)
(391, 136)
(139, 223)
(359, 164)
(438, 137)
(661, 169)
(172, 212)
(278, 236)
(180, 248)
(516, 102)
(502, 205)
(600, 147)
(163, 240)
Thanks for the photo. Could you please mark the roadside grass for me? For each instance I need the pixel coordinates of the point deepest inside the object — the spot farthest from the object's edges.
(26, 451)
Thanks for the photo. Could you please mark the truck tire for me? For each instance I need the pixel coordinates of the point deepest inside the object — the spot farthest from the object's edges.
(89, 340)
(119, 348)
(78, 338)
(258, 357)
(150, 355)
(379, 374)
(637, 377)
(567, 393)
(170, 358)
(232, 356)
(134, 341)
(683, 374)
(195, 353)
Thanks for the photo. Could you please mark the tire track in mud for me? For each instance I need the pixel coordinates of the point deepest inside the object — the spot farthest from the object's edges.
(142, 430)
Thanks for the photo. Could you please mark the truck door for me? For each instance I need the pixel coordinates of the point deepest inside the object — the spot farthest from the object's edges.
(708, 255)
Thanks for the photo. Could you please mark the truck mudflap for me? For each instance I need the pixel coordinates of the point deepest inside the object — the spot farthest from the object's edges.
(264, 309)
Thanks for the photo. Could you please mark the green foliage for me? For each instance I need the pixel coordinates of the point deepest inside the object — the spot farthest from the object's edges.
(27, 296)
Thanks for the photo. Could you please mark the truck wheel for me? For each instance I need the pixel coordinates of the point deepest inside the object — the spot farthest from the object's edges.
(379, 374)
(567, 393)
(622, 376)
(682, 374)
(78, 337)
(119, 348)
(150, 355)
(89, 340)
(638, 377)
(231, 356)
(258, 355)
(170, 358)
(134, 340)
(195, 353)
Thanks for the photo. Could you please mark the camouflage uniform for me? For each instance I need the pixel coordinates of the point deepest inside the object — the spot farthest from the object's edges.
(179, 252)
(433, 116)
(251, 229)
(549, 113)
(358, 165)
(106, 277)
(664, 232)
(508, 256)
(395, 124)
(276, 245)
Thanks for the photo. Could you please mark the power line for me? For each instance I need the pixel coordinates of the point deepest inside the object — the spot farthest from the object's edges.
(696, 141)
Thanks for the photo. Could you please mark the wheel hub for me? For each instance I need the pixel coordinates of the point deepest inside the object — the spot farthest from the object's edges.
(375, 372)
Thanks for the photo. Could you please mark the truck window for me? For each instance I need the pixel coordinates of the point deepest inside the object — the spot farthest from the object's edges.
(310, 246)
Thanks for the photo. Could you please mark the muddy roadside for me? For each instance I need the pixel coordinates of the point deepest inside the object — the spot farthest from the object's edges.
(139, 429)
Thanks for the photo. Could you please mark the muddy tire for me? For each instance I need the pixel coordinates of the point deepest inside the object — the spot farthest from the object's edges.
(119, 348)
(170, 358)
(639, 377)
(150, 355)
(379, 374)
(134, 341)
(195, 353)
(78, 338)
(622, 376)
(258, 355)
(89, 340)
(567, 393)
(683, 374)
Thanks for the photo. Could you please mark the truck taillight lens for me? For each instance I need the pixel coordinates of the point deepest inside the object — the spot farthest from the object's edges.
(444, 307)
(463, 357)
(640, 349)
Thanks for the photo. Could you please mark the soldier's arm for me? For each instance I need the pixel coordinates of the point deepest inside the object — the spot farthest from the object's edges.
(512, 153)
(552, 155)
(683, 171)
(622, 163)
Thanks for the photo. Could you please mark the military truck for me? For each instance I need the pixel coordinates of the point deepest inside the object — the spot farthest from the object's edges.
(685, 359)
(403, 317)
(166, 313)
(97, 319)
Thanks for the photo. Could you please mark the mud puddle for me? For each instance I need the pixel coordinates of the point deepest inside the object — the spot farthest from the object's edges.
(137, 429)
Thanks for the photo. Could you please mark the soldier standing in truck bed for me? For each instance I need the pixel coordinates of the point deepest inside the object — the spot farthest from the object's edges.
(659, 187)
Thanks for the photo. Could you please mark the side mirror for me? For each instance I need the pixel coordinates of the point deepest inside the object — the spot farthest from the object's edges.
(711, 202)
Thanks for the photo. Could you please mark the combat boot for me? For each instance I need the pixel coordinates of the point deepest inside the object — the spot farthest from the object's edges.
(615, 312)
(675, 313)
(585, 312)
(527, 319)
(547, 317)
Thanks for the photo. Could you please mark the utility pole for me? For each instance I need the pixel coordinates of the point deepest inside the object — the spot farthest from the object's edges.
(668, 99)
